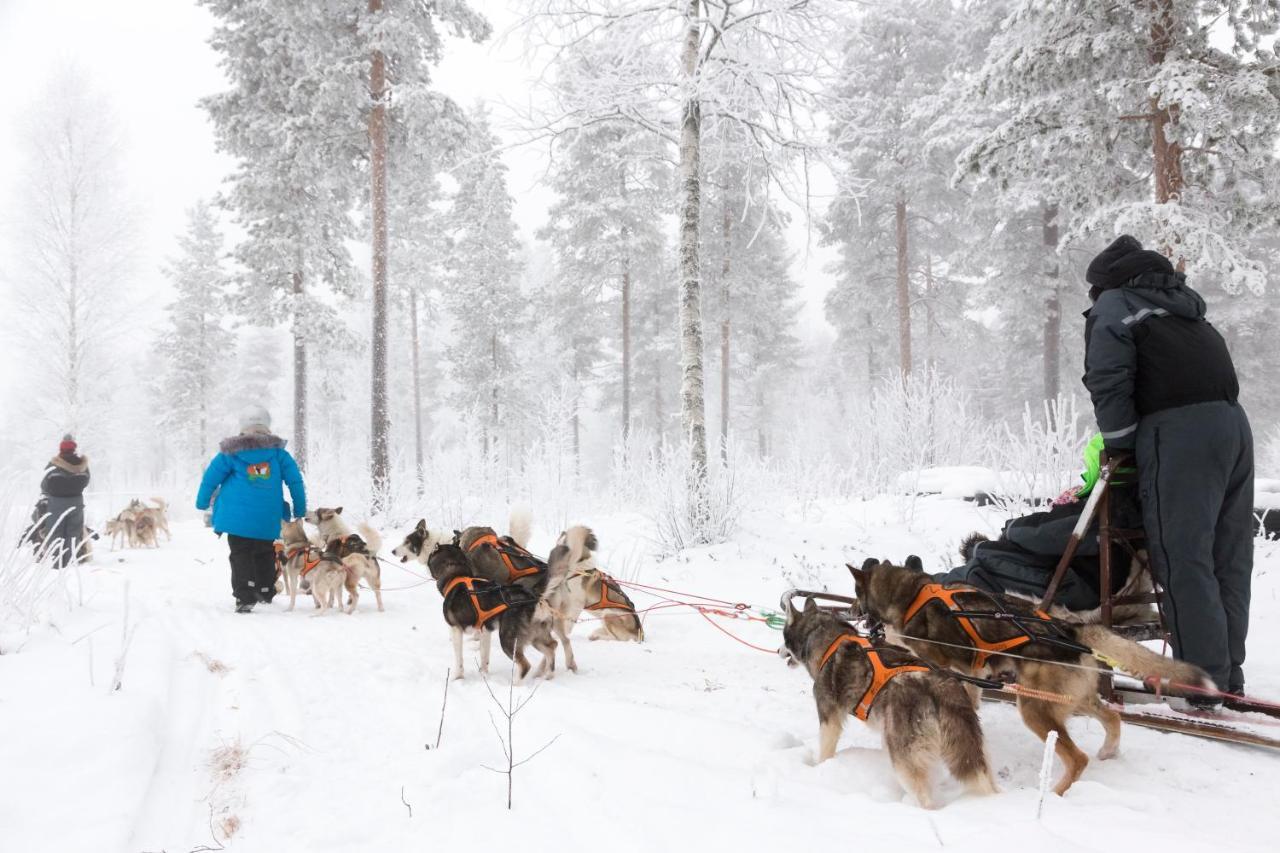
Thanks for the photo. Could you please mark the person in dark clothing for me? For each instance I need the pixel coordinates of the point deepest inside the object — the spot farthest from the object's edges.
(62, 504)
(1023, 559)
(1164, 389)
(247, 476)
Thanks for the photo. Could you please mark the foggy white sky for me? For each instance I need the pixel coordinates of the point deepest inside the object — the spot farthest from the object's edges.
(150, 59)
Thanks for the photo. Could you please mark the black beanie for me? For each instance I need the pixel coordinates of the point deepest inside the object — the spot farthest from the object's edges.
(1122, 261)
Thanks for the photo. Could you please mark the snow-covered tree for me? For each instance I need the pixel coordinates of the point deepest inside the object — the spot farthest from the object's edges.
(1158, 118)
(887, 104)
(74, 253)
(402, 43)
(606, 232)
(670, 68)
(196, 343)
(483, 291)
(292, 120)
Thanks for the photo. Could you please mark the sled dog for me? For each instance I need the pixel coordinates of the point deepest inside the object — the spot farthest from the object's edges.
(503, 559)
(1046, 655)
(297, 557)
(358, 552)
(585, 587)
(925, 716)
(480, 601)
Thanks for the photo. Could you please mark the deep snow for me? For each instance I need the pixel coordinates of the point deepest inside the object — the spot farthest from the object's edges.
(687, 741)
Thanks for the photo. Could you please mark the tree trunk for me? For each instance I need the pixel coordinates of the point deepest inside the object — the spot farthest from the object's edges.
(576, 423)
(869, 340)
(930, 353)
(415, 336)
(378, 168)
(493, 415)
(762, 435)
(204, 388)
(1166, 153)
(626, 322)
(1053, 304)
(727, 225)
(692, 403)
(904, 290)
(299, 374)
(73, 314)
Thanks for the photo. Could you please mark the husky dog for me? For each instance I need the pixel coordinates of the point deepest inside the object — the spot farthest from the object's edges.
(480, 602)
(297, 558)
(328, 578)
(357, 552)
(503, 559)
(158, 515)
(120, 529)
(144, 531)
(924, 716)
(585, 587)
(1056, 657)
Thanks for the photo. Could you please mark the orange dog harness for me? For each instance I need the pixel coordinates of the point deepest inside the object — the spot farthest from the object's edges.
(312, 560)
(880, 673)
(605, 602)
(947, 595)
(482, 615)
(506, 549)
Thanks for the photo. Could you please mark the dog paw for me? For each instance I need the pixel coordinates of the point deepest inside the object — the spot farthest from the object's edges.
(1106, 753)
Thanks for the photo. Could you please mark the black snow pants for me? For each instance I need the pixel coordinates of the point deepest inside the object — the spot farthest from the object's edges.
(253, 569)
(1195, 466)
(65, 523)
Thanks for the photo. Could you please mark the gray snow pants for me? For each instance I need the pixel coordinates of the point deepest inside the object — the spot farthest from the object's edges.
(1195, 467)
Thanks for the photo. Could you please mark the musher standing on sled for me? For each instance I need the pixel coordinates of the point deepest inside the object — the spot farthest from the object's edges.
(248, 475)
(1164, 389)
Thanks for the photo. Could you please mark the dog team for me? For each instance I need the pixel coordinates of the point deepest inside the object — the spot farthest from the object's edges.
(487, 582)
(914, 673)
(138, 525)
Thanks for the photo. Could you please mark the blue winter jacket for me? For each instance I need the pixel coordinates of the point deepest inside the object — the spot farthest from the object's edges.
(247, 475)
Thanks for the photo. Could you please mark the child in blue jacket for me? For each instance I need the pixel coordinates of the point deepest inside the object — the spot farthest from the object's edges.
(248, 475)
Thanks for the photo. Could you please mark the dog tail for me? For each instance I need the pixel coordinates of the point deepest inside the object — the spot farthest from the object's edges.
(371, 537)
(161, 504)
(520, 527)
(970, 544)
(570, 548)
(1175, 676)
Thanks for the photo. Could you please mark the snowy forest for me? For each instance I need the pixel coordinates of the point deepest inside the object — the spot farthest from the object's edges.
(743, 340)
(360, 272)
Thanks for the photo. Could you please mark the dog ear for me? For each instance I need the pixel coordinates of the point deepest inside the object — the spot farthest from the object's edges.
(338, 511)
(810, 606)
(860, 574)
(914, 563)
(422, 525)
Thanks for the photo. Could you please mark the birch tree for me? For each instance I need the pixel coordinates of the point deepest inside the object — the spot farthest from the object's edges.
(756, 62)
(75, 252)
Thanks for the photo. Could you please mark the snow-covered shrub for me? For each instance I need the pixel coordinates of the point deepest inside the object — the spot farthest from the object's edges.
(684, 516)
(1039, 457)
(924, 422)
(29, 586)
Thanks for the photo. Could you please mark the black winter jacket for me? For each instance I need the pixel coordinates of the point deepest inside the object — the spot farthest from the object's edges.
(66, 477)
(1148, 347)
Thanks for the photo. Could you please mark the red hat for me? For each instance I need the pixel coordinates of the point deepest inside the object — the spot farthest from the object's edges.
(68, 444)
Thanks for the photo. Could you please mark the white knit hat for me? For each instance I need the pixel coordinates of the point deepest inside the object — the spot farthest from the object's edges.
(255, 418)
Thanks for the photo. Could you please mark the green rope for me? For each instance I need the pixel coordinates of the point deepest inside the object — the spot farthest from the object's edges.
(776, 621)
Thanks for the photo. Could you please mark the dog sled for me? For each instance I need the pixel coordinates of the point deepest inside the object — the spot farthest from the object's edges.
(1138, 703)
(1242, 721)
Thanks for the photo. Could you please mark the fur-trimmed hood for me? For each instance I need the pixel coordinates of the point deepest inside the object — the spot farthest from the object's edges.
(64, 464)
(251, 441)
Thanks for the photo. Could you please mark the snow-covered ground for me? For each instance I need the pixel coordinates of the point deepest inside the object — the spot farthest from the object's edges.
(297, 733)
